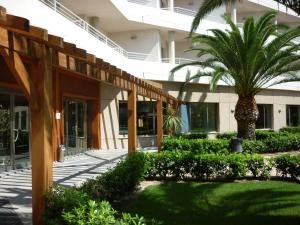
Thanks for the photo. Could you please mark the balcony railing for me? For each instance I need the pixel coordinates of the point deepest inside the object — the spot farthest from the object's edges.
(65, 12)
(177, 60)
(68, 14)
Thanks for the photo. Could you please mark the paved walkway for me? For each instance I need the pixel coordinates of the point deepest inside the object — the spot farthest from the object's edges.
(15, 186)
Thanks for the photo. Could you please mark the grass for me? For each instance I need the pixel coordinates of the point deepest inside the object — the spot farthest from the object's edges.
(243, 203)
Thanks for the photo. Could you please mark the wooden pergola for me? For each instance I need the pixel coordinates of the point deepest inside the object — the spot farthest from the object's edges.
(45, 69)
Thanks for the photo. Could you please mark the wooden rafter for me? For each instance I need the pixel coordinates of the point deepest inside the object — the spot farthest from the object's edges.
(67, 57)
(20, 73)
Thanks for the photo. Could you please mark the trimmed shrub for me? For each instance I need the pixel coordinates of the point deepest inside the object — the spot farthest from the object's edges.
(119, 181)
(192, 136)
(186, 165)
(287, 166)
(279, 143)
(290, 129)
(270, 142)
(227, 135)
(195, 145)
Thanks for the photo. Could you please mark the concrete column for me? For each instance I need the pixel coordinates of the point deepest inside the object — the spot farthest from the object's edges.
(171, 5)
(233, 12)
(279, 116)
(171, 37)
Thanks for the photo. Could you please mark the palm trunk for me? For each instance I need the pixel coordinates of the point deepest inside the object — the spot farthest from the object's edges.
(246, 114)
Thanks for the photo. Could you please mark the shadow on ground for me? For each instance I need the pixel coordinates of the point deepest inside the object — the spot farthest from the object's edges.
(8, 216)
(260, 203)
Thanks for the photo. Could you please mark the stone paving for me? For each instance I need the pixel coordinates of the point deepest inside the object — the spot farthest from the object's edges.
(15, 186)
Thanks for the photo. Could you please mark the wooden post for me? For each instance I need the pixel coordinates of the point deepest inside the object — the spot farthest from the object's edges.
(159, 117)
(42, 125)
(96, 121)
(132, 113)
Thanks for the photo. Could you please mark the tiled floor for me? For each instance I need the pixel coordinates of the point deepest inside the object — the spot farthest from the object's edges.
(15, 186)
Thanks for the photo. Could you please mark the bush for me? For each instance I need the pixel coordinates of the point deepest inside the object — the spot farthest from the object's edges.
(59, 200)
(192, 136)
(186, 165)
(195, 145)
(290, 129)
(270, 142)
(117, 182)
(73, 207)
(288, 166)
(279, 143)
(227, 135)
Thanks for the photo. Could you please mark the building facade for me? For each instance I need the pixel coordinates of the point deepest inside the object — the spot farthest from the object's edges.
(147, 38)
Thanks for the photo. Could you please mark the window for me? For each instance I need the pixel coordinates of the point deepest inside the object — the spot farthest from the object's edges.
(203, 116)
(265, 117)
(146, 118)
(123, 123)
(293, 115)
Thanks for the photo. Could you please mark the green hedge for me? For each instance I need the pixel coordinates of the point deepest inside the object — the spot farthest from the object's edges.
(119, 181)
(187, 165)
(277, 142)
(195, 145)
(290, 129)
(288, 166)
(192, 136)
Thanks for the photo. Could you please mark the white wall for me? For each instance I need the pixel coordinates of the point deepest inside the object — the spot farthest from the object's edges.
(140, 41)
(181, 48)
(194, 5)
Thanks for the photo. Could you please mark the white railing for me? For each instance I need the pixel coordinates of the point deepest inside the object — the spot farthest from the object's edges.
(140, 2)
(137, 56)
(62, 10)
(184, 11)
(177, 60)
(68, 14)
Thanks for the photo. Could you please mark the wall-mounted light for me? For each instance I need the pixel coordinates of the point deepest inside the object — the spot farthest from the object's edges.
(279, 110)
(232, 111)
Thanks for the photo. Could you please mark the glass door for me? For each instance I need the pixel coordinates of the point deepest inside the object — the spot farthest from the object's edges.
(75, 126)
(14, 132)
(21, 132)
(5, 133)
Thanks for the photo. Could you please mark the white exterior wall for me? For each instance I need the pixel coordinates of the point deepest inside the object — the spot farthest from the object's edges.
(181, 52)
(140, 41)
(194, 5)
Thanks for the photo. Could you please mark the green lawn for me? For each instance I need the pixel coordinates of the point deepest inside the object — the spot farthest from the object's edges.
(255, 203)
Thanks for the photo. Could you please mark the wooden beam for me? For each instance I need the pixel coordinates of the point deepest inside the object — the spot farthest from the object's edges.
(132, 120)
(41, 138)
(21, 75)
(2, 13)
(159, 122)
(96, 121)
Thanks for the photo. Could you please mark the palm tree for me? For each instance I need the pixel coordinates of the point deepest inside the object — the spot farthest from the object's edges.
(210, 5)
(257, 58)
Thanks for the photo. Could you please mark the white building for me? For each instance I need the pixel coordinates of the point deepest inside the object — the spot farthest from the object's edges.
(148, 38)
